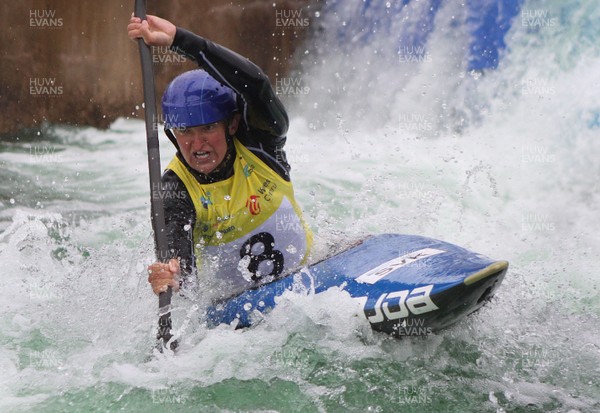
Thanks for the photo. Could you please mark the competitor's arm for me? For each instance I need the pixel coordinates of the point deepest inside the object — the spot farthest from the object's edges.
(263, 111)
(179, 219)
(264, 114)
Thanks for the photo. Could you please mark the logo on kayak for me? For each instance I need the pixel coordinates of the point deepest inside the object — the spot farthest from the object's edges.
(377, 273)
(253, 205)
(400, 304)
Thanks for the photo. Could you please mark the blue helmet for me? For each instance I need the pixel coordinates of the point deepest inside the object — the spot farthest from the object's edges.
(196, 98)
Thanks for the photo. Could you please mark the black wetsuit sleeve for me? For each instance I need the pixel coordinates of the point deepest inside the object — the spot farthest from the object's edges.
(265, 117)
(180, 217)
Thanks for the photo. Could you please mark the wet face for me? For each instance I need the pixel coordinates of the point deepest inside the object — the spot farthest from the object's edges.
(204, 147)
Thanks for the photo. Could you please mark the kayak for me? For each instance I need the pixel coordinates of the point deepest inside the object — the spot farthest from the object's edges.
(406, 285)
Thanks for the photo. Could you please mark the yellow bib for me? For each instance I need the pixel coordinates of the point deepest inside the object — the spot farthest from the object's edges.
(249, 227)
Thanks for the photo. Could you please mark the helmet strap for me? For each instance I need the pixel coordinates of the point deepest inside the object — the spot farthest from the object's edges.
(171, 137)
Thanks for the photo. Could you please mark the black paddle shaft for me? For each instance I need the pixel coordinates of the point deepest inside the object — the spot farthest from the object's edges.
(156, 201)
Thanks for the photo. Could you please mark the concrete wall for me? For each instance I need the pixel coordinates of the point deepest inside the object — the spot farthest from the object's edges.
(70, 61)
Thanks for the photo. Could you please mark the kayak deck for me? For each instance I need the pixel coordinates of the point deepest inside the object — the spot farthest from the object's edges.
(401, 281)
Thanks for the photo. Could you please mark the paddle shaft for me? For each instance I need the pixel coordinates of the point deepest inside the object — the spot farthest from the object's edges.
(156, 201)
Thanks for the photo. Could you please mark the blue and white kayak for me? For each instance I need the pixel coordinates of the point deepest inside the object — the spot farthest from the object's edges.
(402, 282)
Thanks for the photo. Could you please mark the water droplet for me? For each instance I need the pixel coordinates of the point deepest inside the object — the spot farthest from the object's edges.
(227, 197)
(12, 200)
(248, 306)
